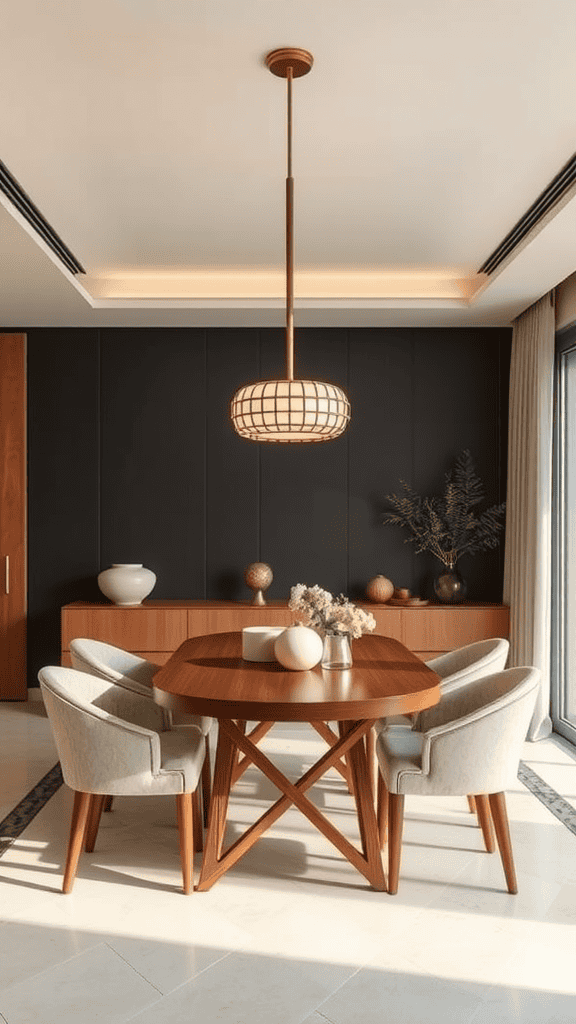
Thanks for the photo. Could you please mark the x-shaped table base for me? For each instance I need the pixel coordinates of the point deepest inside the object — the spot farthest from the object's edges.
(231, 739)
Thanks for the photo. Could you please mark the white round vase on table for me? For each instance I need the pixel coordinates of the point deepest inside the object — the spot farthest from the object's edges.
(126, 583)
(298, 648)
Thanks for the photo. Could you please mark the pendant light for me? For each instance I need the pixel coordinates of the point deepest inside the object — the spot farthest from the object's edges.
(290, 410)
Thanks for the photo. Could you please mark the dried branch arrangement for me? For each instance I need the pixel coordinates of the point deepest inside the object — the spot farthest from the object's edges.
(449, 526)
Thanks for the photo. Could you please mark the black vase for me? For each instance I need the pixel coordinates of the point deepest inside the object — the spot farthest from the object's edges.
(449, 586)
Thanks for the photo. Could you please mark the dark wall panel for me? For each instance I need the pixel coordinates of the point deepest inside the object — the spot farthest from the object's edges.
(457, 405)
(304, 487)
(153, 423)
(381, 450)
(63, 500)
(232, 489)
(132, 457)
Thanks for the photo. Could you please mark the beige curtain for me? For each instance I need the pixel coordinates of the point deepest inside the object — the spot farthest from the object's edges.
(528, 551)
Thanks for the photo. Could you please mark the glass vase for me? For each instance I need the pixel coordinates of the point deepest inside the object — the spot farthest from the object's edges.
(449, 586)
(337, 653)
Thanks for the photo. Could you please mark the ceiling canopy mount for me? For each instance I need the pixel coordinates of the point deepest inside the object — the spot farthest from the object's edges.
(278, 62)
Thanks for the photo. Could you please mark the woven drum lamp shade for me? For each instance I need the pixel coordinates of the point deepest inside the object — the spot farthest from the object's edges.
(290, 410)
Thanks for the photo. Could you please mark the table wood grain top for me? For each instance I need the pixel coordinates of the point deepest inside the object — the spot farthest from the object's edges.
(208, 676)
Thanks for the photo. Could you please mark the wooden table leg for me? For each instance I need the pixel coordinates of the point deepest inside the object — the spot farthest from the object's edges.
(324, 730)
(244, 762)
(367, 822)
(226, 752)
(216, 863)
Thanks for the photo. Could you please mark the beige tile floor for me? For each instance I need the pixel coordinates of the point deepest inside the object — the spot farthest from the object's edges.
(292, 934)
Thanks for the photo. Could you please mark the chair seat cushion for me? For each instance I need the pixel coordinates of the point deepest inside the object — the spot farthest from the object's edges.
(182, 721)
(393, 722)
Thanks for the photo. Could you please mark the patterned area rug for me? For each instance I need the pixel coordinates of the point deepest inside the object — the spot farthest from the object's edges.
(18, 819)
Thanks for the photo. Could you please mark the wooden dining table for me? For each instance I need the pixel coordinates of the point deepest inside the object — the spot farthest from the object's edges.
(208, 676)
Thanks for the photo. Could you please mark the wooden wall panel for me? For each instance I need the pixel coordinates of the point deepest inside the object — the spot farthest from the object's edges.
(13, 684)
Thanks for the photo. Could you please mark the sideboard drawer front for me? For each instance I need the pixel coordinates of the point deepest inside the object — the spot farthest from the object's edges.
(446, 628)
(388, 620)
(134, 629)
(203, 621)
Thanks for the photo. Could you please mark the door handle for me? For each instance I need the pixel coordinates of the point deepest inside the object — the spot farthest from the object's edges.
(7, 577)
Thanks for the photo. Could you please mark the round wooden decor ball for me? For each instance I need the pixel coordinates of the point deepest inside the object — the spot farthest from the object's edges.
(298, 648)
(380, 590)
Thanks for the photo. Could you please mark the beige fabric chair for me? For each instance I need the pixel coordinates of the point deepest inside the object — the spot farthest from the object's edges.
(137, 674)
(109, 741)
(468, 743)
(458, 668)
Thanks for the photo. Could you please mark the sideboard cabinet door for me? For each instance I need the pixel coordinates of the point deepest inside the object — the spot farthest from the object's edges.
(135, 629)
(157, 628)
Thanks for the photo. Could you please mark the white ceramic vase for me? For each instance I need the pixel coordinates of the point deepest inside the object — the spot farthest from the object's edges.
(126, 583)
(298, 648)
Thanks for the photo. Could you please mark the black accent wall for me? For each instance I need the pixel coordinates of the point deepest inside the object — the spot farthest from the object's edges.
(132, 458)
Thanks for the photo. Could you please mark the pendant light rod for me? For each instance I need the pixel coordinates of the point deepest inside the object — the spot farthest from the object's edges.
(289, 240)
(289, 410)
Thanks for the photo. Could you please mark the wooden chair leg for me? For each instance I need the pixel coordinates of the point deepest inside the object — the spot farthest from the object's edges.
(500, 817)
(197, 822)
(92, 826)
(80, 811)
(186, 830)
(472, 804)
(485, 821)
(395, 826)
(382, 811)
(206, 783)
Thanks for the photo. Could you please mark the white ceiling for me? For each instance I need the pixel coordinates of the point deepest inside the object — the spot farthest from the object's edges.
(152, 138)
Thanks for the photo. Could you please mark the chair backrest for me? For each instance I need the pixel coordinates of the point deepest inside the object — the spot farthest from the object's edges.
(120, 667)
(473, 737)
(101, 746)
(458, 668)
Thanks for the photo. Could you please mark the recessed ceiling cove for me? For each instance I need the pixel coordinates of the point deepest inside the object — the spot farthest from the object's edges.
(142, 149)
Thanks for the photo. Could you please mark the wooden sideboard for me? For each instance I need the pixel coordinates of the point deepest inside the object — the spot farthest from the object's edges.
(156, 628)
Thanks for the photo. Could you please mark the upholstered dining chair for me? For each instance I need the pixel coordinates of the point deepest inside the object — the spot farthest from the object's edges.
(137, 674)
(458, 668)
(104, 748)
(468, 743)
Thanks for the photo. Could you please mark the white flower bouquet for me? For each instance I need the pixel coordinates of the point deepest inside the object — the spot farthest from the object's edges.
(321, 611)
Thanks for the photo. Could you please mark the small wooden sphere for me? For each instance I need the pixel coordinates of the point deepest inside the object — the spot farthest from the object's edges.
(258, 576)
(380, 590)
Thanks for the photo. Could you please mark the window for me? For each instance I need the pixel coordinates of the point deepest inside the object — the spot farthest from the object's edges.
(564, 579)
